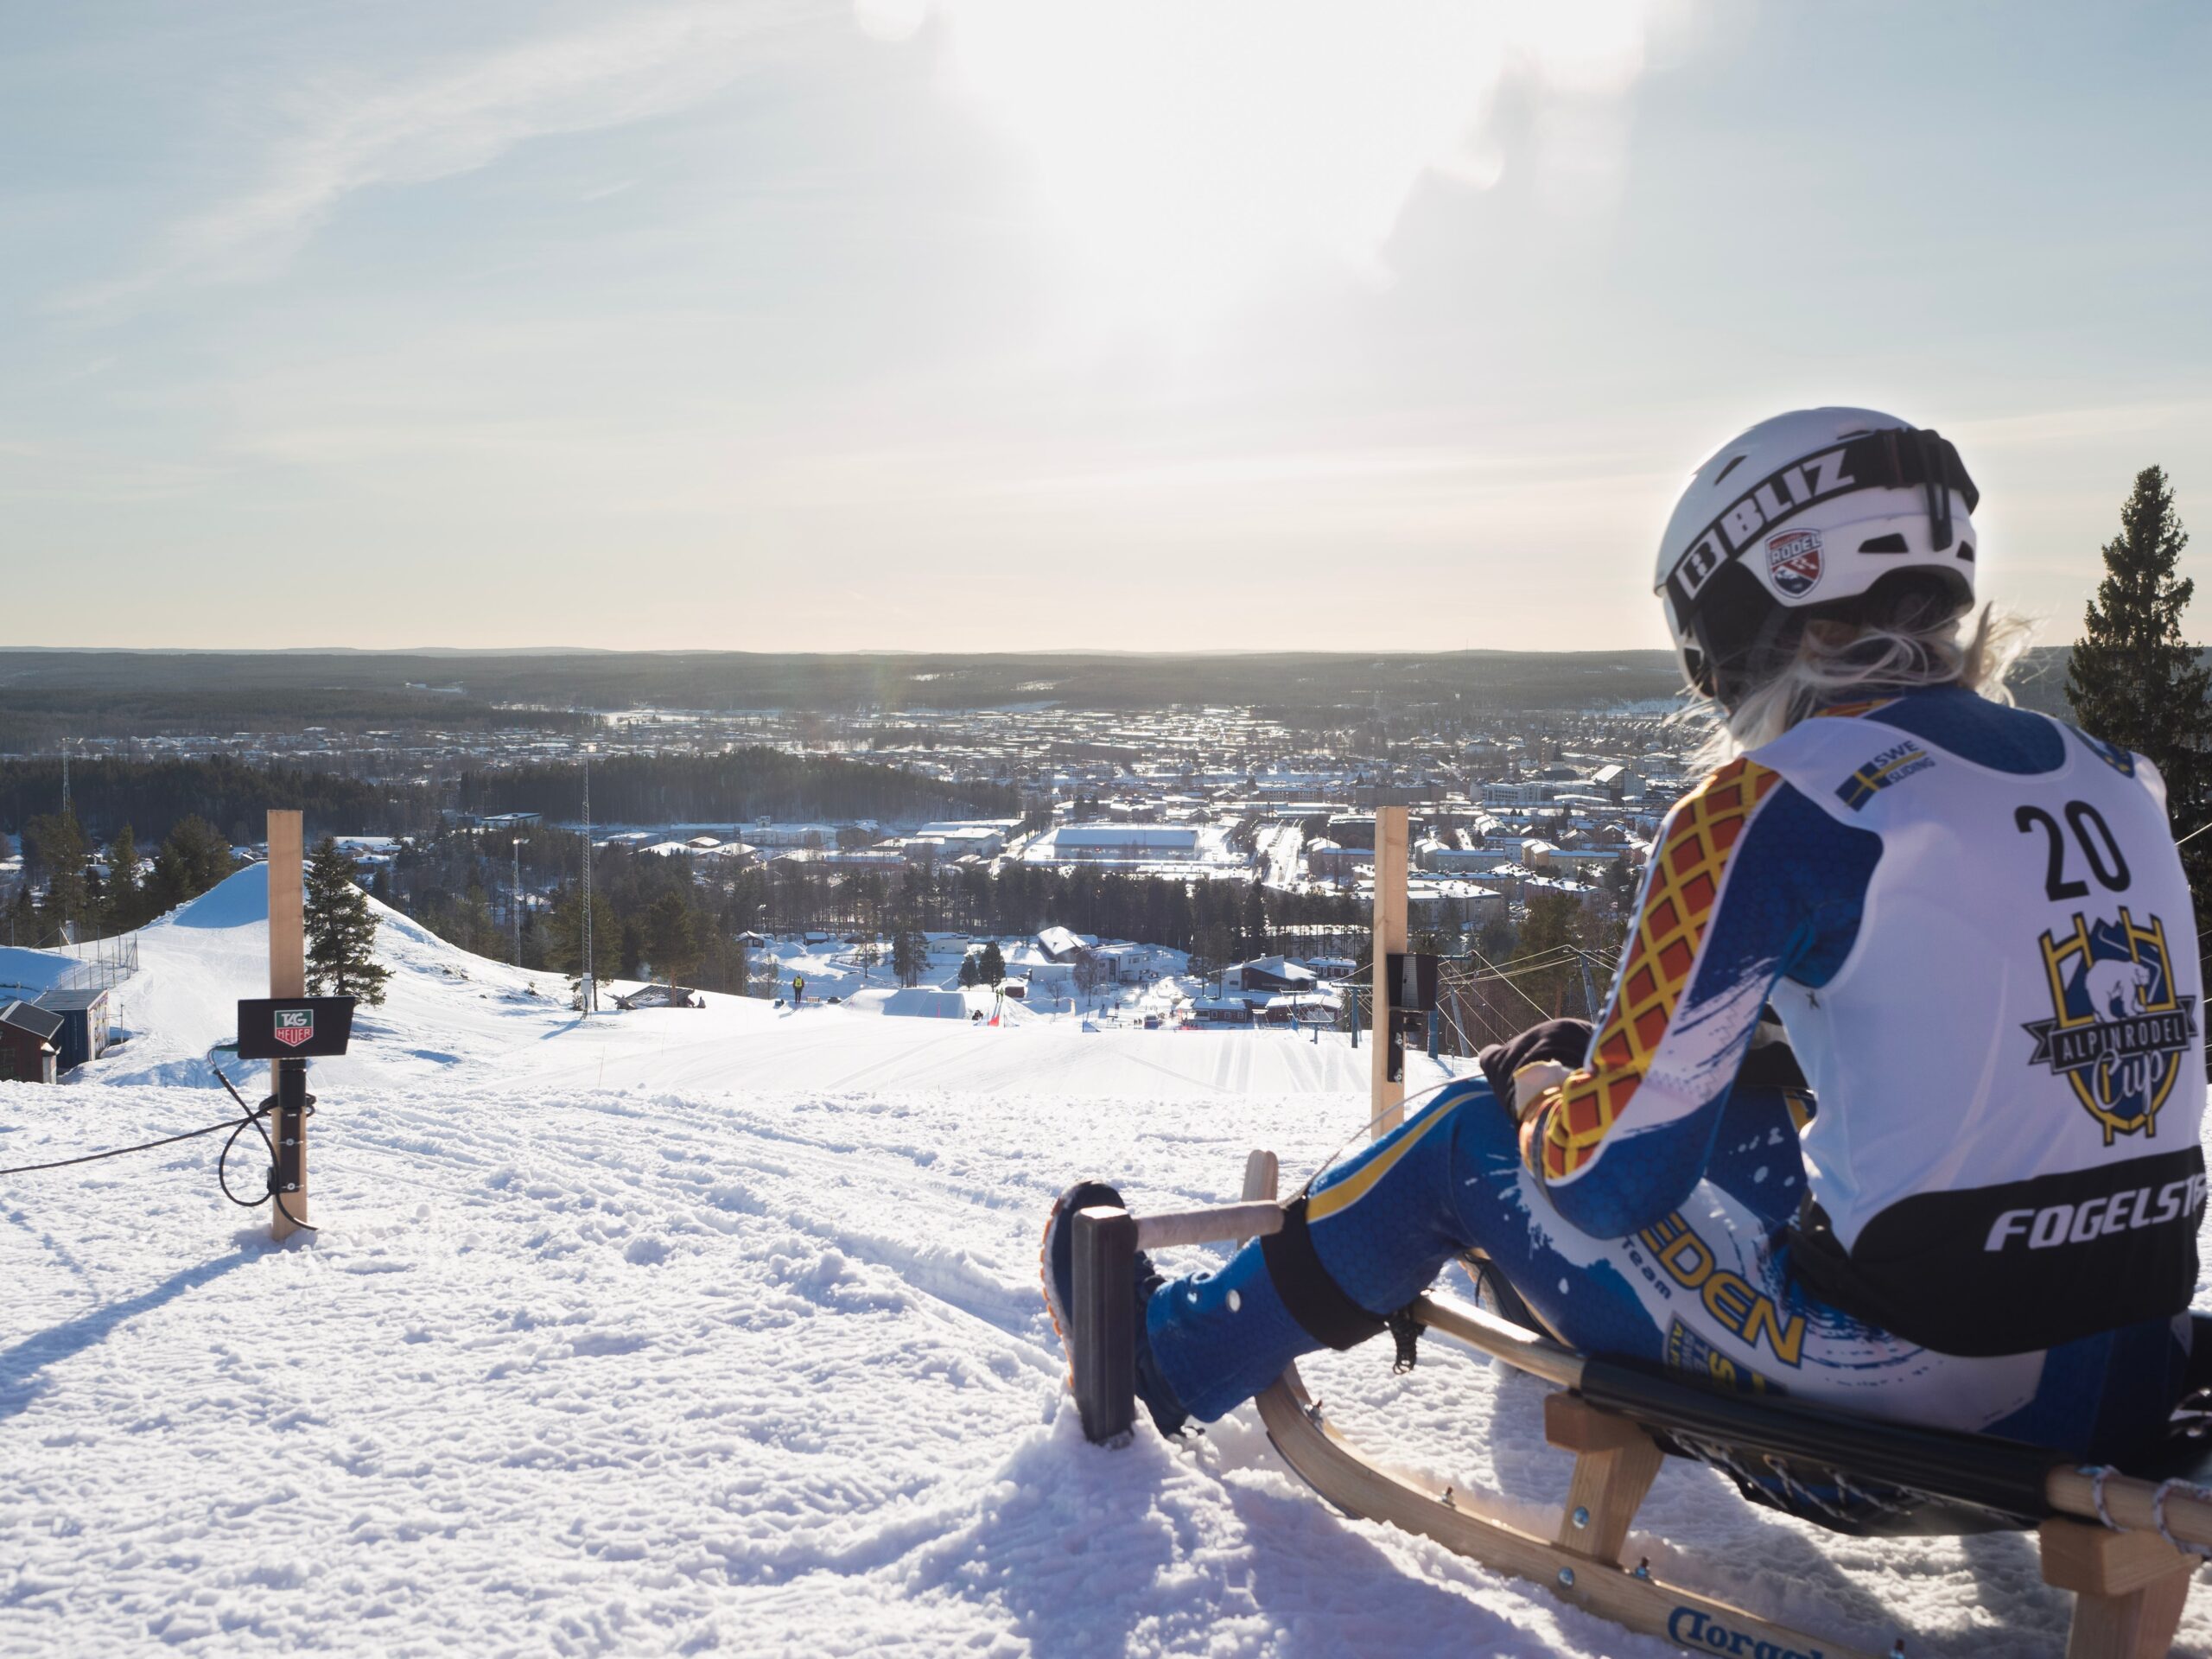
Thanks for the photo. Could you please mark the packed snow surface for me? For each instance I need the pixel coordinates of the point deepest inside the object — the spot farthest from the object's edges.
(694, 1331)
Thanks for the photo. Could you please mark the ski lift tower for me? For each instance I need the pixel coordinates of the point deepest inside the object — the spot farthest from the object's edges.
(587, 981)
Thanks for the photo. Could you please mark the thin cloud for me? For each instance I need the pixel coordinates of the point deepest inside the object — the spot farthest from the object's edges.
(451, 120)
(1190, 150)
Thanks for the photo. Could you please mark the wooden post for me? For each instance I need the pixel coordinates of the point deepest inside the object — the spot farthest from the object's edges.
(1261, 1172)
(288, 977)
(2128, 1588)
(1614, 1462)
(1389, 936)
(1105, 1247)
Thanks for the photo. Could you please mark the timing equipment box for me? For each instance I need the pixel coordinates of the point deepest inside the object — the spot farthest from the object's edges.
(1411, 978)
(293, 1027)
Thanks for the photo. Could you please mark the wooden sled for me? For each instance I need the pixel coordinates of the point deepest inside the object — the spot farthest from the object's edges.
(2124, 1544)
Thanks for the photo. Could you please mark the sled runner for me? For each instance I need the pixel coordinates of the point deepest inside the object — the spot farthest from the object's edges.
(2125, 1542)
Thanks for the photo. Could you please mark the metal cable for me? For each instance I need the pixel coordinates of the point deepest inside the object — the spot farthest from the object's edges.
(236, 1127)
(117, 1151)
(1523, 995)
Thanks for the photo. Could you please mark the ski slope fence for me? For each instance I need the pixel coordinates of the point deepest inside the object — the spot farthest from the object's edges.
(98, 965)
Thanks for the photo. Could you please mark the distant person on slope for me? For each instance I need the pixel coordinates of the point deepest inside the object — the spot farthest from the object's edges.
(1972, 921)
(798, 991)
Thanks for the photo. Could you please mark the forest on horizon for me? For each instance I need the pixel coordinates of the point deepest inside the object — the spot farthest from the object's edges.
(45, 696)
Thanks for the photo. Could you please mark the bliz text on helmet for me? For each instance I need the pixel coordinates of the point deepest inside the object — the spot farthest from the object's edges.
(1775, 499)
(2077, 1223)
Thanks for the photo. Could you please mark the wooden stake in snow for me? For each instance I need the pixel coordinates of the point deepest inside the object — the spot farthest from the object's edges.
(288, 977)
(1389, 938)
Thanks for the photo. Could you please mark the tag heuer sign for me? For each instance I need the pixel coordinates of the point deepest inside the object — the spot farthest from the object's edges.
(285, 1027)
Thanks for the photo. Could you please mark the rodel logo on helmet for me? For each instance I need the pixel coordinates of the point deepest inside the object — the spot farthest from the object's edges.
(1793, 559)
(1836, 502)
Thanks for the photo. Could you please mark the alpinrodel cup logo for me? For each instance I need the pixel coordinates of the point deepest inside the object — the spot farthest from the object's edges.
(2122, 1032)
(1793, 559)
(295, 1026)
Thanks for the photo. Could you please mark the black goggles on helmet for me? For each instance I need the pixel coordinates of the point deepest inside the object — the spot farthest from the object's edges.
(1895, 458)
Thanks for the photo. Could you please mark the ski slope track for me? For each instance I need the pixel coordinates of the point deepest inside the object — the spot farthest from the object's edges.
(717, 1331)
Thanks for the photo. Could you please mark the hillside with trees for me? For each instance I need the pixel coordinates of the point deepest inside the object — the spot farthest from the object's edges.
(45, 694)
(736, 787)
(153, 797)
(684, 916)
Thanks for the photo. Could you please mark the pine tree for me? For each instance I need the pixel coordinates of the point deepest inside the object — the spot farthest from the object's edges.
(1554, 925)
(57, 845)
(2134, 681)
(123, 895)
(193, 858)
(341, 929)
(564, 929)
(970, 975)
(1496, 939)
(671, 937)
(991, 969)
(1255, 921)
(910, 955)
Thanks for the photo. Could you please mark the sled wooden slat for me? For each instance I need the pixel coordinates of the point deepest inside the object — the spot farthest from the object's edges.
(1223, 1225)
(1614, 1462)
(2131, 1503)
(1261, 1172)
(1486, 1333)
(1340, 1474)
(2129, 1588)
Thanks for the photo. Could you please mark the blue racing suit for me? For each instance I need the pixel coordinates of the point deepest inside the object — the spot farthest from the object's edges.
(1990, 1222)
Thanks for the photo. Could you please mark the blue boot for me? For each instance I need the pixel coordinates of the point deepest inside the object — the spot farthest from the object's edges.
(1057, 1264)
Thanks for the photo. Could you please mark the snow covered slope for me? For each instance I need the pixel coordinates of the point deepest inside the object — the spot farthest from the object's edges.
(450, 1016)
(717, 1331)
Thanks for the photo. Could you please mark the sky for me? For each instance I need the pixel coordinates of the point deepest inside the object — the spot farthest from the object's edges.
(1011, 325)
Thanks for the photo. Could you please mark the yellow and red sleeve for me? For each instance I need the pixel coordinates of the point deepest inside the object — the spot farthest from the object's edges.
(1569, 1129)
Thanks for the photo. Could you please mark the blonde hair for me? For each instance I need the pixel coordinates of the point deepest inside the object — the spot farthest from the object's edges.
(1910, 649)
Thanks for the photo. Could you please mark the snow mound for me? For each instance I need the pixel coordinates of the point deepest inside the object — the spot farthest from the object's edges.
(25, 972)
(238, 900)
(926, 1002)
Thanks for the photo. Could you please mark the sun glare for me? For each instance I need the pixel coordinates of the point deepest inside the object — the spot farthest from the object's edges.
(1192, 151)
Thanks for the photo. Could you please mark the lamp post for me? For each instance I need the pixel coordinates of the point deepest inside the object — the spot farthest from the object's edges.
(587, 981)
(514, 902)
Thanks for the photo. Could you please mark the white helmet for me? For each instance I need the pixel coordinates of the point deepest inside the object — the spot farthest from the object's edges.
(1806, 515)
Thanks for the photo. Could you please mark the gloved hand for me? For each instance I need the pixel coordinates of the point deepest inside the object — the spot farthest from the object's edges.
(1561, 1044)
(1533, 1082)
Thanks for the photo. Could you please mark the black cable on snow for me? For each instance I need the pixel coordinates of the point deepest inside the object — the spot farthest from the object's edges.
(239, 1126)
(143, 1146)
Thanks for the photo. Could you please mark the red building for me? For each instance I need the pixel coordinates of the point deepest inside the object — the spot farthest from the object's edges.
(30, 1048)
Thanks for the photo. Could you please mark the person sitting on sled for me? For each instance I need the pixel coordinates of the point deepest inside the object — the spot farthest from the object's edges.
(1973, 923)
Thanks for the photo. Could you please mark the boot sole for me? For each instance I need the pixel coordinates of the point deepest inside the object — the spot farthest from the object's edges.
(1063, 1318)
